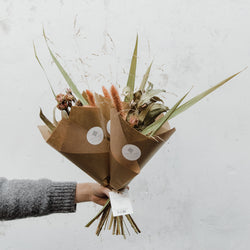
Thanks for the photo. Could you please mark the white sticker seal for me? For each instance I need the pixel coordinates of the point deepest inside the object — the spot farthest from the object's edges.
(108, 126)
(120, 203)
(95, 135)
(131, 152)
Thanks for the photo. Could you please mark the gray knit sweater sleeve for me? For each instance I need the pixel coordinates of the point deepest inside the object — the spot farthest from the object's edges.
(24, 198)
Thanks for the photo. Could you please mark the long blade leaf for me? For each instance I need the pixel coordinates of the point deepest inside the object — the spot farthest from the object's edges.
(197, 98)
(131, 77)
(145, 78)
(43, 70)
(66, 77)
(154, 127)
(46, 120)
(54, 116)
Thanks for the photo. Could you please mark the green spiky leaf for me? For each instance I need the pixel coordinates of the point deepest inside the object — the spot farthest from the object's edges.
(46, 121)
(145, 78)
(154, 112)
(197, 98)
(54, 116)
(66, 77)
(43, 70)
(132, 71)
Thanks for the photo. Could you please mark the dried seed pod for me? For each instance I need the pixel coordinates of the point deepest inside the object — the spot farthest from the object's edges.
(91, 98)
(105, 92)
(117, 101)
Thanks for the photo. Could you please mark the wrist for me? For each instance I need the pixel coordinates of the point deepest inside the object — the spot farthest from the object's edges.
(82, 192)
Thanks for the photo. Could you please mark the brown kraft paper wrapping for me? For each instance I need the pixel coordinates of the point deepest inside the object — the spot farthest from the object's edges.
(104, 104)
(74, 139)
(136, 147)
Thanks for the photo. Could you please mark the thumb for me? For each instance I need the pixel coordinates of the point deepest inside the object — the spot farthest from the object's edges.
(106, 191)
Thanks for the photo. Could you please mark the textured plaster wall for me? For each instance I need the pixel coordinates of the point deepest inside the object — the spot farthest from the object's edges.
(194, 194)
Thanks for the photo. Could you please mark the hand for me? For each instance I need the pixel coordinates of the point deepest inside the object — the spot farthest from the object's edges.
(91, 192)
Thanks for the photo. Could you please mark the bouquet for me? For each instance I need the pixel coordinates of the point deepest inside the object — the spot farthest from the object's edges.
(112, 139)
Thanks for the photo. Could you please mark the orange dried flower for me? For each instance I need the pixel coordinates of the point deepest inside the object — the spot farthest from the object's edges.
(62, 103)
(105, 92)
(91, 98)
(117, 101)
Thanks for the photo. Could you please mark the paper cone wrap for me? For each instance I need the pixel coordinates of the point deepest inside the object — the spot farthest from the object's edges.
(105, 105)
(81, 139)
(130, 150)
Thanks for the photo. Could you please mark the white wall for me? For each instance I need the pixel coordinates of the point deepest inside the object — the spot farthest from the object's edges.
(194, 194)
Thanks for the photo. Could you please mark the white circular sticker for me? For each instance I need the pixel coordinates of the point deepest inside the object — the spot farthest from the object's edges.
(95, 135)
(108, 126)
(131, 152)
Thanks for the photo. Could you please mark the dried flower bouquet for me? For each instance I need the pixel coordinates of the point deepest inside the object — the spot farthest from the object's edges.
(110, 139)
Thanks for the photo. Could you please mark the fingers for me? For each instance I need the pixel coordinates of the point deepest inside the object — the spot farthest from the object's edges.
(106, 191)
(100, 201)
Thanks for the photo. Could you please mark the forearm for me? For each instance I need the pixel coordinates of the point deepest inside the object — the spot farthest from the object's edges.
(24, 198)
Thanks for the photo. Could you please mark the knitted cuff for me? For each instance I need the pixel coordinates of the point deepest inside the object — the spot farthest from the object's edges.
(62, 197)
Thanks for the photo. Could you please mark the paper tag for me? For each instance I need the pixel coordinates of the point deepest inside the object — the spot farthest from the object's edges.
(95, 135)
(108, 126)
(120, 203)
(131, 152)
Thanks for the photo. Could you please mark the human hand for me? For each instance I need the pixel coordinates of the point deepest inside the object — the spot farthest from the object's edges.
(91, 192)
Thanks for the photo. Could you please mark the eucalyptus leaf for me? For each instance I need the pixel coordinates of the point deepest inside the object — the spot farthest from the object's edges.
(144, 113)
(151, 111)
(146, 96)
(145, 78)
(43, 70)
(158, 106)
(197, 98)
(132, 71)
(154, 112)
(46, 121)
(154, 127)
(156, 99)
